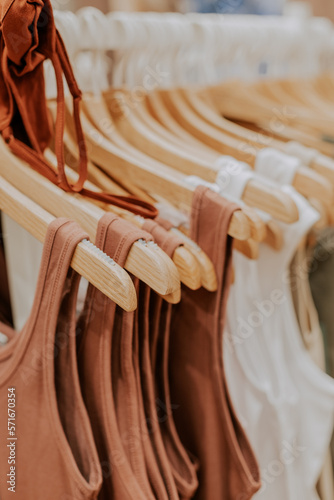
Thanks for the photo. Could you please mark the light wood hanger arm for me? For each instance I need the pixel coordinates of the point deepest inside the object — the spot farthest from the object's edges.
(99, 270)
(274, 237)
(147, 262)
(163, 117)
(283, 120)
(273, 201)
(185, 262)
(167, 183)
(322, 165)
(256, 139)
(250, 248)
(306, 181)
(97, 113)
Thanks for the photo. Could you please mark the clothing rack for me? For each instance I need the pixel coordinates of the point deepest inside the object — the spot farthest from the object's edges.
(205, 48)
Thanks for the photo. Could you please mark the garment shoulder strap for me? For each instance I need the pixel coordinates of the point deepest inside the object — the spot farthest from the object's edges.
(166, 241)
(116, 237)
(214, 240)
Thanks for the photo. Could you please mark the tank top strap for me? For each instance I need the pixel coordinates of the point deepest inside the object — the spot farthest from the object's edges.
(54, 286)
(164, 223)
(62, 238)
(116, 236)
(165, 240)
(207, 207)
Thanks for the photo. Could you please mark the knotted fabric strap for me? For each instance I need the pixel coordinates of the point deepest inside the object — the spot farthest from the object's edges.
(28, 38)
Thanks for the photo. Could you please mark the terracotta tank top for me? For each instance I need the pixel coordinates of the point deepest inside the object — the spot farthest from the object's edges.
(108, 376)
(205, 417)
(47, 449)
(157, 351)
(157, 468)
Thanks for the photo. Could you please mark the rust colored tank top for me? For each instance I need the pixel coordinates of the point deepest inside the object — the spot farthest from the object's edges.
(204, 417)
(173, 458)
(49, 453)
(150, 436)
(108, 378)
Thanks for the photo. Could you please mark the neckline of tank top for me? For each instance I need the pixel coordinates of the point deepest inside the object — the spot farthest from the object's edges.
(17, 346)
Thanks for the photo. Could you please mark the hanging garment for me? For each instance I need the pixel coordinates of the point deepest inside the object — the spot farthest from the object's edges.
(184, 465)
(313, 340)
(153, 441)
(286, 403)
(108, 378)
(50, 447)
(205, 418)
(172, 456)
(156, 462)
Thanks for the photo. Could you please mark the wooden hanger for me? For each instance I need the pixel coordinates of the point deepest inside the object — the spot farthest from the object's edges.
(325, 217)
(298, 94)
(189, 269)
(92, 104)
(274, 235)
(318, 123)
(96, 111)
(258, 228)
(88, 261)
(214, 118)
(324, 84)
(267, 111)
(237, 100)
(250, 248)
(307, 97)
(183, 260)
(307, 182)
(147, 262)
(285, 133)
(184, 141)
(161, 115)
(166, 182)
(271, 200)
(304, 93)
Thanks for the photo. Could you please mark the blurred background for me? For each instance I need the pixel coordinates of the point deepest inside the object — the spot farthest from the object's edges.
(323, 8)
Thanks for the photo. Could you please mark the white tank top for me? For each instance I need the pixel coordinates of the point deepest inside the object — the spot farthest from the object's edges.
(285, 402)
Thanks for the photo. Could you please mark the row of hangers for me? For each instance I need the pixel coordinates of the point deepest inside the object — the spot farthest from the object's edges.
(151, 148)
(167, 125)
(309, 108)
